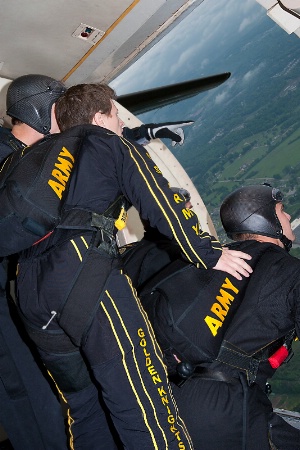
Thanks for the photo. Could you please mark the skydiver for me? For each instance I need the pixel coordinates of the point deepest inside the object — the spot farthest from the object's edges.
(222, 338)
(30, 410)
(83, 266)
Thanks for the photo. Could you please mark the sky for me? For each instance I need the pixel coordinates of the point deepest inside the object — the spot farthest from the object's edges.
(189, 50)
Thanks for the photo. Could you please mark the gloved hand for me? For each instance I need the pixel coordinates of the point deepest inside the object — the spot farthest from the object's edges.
(168, 130)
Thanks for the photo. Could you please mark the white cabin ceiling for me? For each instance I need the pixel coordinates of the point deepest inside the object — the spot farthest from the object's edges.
(36, 35)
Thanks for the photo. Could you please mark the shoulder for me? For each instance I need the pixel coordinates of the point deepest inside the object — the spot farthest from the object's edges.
(102, 137)
(268, 255)
(5, 133)
(8, 143)
(279, 264)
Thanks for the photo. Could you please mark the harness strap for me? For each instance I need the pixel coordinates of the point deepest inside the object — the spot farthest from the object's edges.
(78, 219)
(114, 217)
(10, 376)
(200, 372)
(245, 412)
(232, 357)
(250, 363)
(3, 274)
(82, 302)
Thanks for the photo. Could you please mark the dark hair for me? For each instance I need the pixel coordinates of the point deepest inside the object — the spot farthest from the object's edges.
(80, 103)
(243, 236)
(15, 121)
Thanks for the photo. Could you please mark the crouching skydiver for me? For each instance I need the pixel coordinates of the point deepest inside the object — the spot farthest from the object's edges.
(222, 338)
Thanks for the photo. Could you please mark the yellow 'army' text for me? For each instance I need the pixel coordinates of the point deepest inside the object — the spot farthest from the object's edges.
(221, 309)
(62, 172)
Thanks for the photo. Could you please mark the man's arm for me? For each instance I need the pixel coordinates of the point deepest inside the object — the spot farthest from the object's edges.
(168, 130)
(149, 192)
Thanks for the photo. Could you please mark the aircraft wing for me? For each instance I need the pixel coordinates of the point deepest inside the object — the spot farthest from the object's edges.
(143, 101)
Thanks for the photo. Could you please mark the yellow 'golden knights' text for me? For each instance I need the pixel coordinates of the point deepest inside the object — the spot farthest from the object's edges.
(161, 390)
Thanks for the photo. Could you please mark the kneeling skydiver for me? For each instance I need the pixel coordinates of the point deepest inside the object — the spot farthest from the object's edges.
(221, 337)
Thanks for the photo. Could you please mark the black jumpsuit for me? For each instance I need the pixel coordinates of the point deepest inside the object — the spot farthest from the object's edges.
(30, 410)
(194, 312)
(119, 347)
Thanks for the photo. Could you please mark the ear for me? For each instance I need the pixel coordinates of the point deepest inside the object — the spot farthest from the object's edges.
(98, 119)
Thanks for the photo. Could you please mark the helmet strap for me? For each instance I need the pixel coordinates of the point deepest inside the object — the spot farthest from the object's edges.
(286, 242)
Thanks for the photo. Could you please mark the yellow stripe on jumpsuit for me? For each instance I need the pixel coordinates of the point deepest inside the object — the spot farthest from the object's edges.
(128, 365)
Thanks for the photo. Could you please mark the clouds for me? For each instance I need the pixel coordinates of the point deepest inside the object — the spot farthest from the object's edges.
(226, 92)
(220, 98)
(229, 92)
(186, 57)
(253, 73)
(193, 47)
(245, 23)
(249, 20)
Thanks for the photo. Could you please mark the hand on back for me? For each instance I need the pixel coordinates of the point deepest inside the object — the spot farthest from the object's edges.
(233, 262)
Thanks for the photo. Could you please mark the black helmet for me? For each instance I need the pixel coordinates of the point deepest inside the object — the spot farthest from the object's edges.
(251, 209)
(30, 99)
